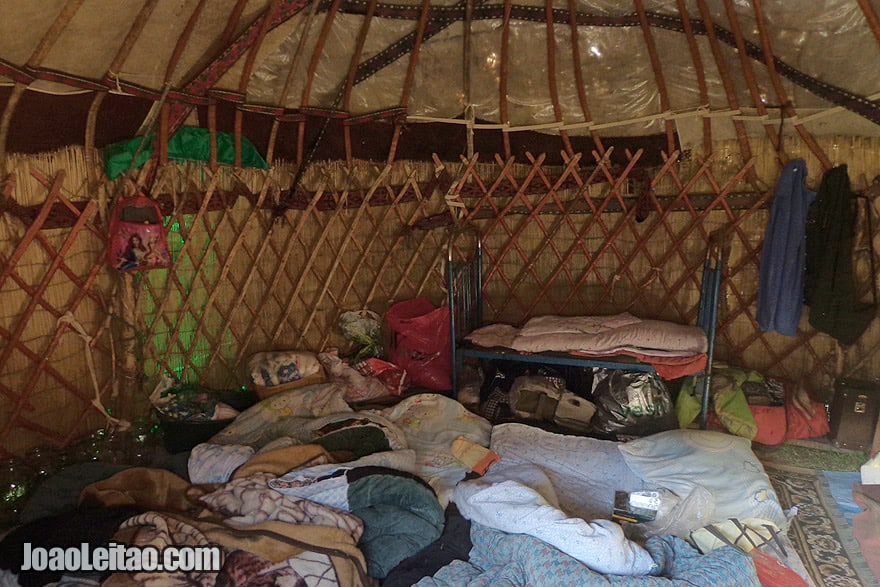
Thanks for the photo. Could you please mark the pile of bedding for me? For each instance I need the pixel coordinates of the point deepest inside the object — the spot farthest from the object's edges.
(302, 490)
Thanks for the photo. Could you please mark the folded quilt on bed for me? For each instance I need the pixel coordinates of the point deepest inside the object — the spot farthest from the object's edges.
(498, 558)
(595, 334)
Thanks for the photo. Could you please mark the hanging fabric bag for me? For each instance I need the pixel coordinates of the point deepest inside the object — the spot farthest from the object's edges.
(137, 236)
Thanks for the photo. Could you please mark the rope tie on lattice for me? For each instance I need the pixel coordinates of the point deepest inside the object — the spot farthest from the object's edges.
(655, 274)
(614, 281)
(71, 321)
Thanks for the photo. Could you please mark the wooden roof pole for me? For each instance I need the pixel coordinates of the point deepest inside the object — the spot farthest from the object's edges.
(503, 114)
(310, 75)
(246, 73)
(700, 71)
(352, 68)
(285, 91)
(729, 89)
(410, 75)
(43, 47)
(182, 40)
(466, 77)
(871, 17)
(179, 47)
(658, 72)
(786, 107)
(122, 54)
(579, 74)
(551, 74)
(232, 22)
(751, 82)
(228, 56)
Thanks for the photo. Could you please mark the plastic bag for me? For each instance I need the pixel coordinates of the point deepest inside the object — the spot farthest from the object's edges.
(631, 402)
(392, 377)
(364, 329)
(420, 342)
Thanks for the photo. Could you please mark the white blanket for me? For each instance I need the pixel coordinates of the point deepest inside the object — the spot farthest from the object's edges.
(509, 501)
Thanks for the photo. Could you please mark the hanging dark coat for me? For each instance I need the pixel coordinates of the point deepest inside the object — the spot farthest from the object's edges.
(830, 289)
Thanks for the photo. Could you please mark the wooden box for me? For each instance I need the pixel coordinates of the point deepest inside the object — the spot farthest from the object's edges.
(854, 412)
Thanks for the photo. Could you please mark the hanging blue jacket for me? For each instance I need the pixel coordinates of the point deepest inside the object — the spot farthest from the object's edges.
(783, 258)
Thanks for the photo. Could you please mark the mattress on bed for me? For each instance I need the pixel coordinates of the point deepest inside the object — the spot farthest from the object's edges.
(595, 334)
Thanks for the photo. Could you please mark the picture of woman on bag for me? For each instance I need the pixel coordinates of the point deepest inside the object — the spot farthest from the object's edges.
(134, 253)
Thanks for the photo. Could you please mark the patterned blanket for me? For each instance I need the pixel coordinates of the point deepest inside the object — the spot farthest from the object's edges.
(517, 559)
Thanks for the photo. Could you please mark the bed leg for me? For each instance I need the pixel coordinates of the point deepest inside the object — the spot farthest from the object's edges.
(704, 399)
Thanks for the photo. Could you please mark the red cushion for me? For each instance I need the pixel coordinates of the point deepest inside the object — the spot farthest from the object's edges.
(801, 427)
(771, 424)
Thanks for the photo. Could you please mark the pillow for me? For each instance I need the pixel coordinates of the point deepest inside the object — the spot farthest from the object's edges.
(682, 460)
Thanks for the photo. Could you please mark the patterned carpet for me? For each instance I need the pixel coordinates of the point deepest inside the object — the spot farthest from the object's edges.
(820, 534)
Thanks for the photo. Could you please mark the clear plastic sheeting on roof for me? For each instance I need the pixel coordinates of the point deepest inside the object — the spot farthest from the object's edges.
(815, 44)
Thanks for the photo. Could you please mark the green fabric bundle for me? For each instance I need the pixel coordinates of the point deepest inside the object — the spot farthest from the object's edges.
(188, 144)
(728, 399)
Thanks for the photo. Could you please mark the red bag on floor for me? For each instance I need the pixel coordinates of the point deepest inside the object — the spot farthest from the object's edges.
(774, 573)
(420, 342)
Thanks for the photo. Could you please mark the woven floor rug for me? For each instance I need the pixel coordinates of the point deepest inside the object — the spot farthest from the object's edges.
(820, 534)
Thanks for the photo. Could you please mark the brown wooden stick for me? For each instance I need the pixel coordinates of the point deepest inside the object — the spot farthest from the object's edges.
(237, 130)
(131, 38)
(232, 22)
(89, 148)
(551, 74)
(212, 134)
(251, 58)
(273, 138)
(352, 68)
(52, 35)
(317, 51)
(871, 18)
(294, 63)
(182, 41)
(785, 104)
(579, 74)
(6, 119)
(658, 72)
(699, 70)
(724, 73)
(376, 233)
(410, 76)
(502, 78)
(163, 134)
(751, 82)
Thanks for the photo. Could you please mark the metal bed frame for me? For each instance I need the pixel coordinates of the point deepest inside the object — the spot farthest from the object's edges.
(465, 298)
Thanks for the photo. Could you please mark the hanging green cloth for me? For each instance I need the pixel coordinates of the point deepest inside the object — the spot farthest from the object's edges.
(188, 144)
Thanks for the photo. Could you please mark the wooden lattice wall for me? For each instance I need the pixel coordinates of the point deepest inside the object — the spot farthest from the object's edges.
(585, 237)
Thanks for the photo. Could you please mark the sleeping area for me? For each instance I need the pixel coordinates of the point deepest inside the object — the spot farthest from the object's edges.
(357, 293)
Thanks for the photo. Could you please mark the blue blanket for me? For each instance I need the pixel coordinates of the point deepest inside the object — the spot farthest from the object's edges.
(518, 559)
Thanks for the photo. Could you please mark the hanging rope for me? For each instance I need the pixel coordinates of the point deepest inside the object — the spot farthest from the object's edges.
(69, 320)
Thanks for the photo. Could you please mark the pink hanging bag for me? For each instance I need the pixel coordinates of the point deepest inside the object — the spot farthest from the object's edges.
(137, 236)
